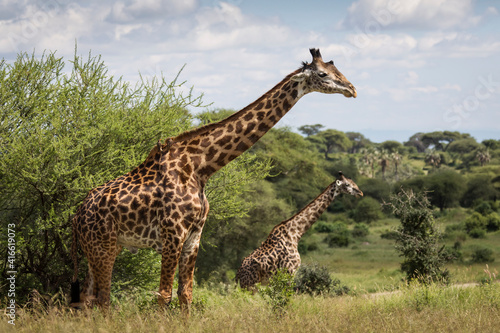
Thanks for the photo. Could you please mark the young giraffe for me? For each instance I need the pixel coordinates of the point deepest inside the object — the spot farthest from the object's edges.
(279, 250)
(162, 204)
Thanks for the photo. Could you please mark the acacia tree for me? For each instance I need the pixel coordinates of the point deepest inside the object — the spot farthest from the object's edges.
(309, 130)
(63, 134)
(331, 139)
(417, 238)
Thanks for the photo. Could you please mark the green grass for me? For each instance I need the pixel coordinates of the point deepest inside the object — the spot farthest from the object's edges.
(413, 308)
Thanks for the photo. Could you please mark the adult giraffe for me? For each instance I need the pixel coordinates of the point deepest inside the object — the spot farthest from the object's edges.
(162, 204)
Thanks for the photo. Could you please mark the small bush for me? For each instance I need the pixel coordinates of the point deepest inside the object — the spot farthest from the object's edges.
(312, 247)
(475, 221)
(324, 227)
(279, 291)
(390, 234)
(315, 280)
(454, 253)
(360, 230)
(339, 237)
(367, 210)
(482, 255)
(477, 233)
(483, 208)
(493, 222)
(302, 248)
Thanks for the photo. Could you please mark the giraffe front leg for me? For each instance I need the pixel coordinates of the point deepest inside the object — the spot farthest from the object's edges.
(169, 259)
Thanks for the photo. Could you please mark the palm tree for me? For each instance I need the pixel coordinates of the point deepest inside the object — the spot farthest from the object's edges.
(433, 159)
(369, 158)
(483, 156)
(396, 158)
(383, 160)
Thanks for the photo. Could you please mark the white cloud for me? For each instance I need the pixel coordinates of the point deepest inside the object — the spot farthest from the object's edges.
(422, 14)
(411, 78)
(129, 11)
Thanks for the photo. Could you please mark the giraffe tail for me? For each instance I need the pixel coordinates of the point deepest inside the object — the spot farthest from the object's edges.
(75, 284)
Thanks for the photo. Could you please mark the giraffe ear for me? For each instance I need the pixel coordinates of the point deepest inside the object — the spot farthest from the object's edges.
(301, 76)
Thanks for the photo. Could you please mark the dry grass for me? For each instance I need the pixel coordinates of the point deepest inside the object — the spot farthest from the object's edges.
(412, 309)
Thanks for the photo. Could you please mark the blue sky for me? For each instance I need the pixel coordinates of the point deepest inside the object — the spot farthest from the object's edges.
(418, 65)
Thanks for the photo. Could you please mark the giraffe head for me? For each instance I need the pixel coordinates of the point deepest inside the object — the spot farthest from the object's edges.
(348, 186)
(324, 77)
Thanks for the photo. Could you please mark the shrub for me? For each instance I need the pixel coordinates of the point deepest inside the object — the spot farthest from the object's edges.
(360, 230)
(477, 233)
(302, 248)
(482, 255)
(279, 291)
(483, 208)
(315, 280)
(493, 222)
(417, 238)
(454, 253)
(475, 221)
(324, 227)
(389, 234)
(339, 237)
(312, 280)
(367, 210)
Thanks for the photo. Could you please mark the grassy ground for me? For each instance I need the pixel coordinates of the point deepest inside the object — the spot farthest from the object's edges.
(379, 301)
(412, 309)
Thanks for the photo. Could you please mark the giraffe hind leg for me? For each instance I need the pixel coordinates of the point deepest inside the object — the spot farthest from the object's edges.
(97, 288)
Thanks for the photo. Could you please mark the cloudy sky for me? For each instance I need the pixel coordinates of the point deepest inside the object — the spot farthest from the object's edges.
(418, 65)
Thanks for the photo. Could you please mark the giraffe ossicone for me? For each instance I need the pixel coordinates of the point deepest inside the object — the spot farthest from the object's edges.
(280, 249)
(162, 204)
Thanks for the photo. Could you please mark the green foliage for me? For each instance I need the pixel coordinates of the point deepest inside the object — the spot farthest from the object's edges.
(315, 280)
(135, 272)
(483, 207)
(329, 140)
(309, 130)
(367, 210)
(463, 146)
(211, 116)
(360, 230)
(391, 146)
(445, 188)
(339, 236)
(479, 188)
(390, 234)
(376, 188)
(324, 227)
(418, 238)
(482, 255)
(358, 141)
(477, 233)
(474, 224)
(492, 222)
(279, 291)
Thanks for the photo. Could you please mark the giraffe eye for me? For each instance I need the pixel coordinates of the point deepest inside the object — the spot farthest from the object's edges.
(322, 74)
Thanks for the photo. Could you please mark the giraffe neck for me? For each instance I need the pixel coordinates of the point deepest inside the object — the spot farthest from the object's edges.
(298, 224)
(214, 145)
